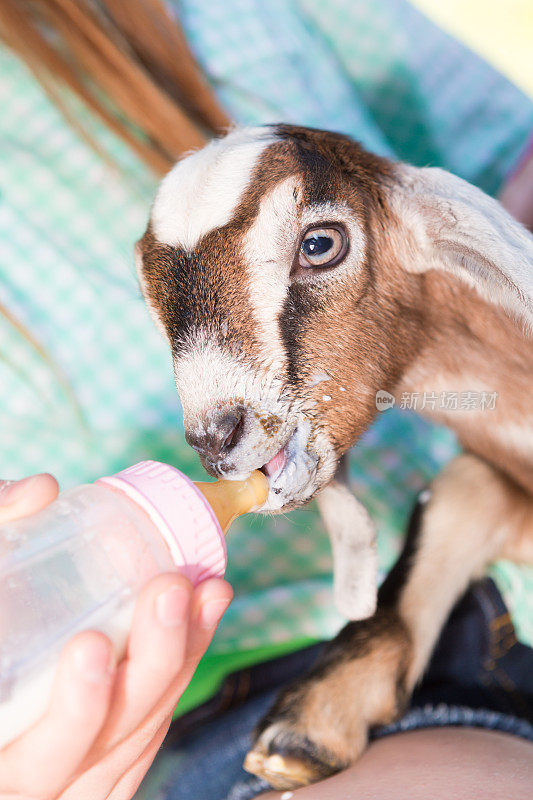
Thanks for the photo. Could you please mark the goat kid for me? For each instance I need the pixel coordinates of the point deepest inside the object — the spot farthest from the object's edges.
(295, 275)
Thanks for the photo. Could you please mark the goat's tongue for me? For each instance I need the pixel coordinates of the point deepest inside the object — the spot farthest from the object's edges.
(275, 464)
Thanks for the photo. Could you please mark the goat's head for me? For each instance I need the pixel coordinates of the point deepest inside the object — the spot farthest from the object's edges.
(270, 264)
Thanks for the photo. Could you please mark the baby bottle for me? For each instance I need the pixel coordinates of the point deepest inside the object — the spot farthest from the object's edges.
(80, 563)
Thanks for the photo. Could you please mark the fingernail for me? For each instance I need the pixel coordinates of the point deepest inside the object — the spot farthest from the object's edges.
(96, 663)
(171, 607)
(10, 490)
(212, 611)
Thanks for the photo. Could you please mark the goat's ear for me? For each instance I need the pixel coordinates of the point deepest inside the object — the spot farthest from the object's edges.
(144, 289)
(137, 253)
(450, 225)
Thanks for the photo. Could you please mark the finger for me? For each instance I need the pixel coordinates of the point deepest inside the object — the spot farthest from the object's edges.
(128, 784)
(116, 756)
(156, 651)
(119, 771)
(210, 601)
(20, 498)
(41, 761)
(150, 683)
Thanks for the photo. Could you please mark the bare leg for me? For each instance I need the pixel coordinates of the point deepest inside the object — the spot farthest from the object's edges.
(319, 725)
(445, 764)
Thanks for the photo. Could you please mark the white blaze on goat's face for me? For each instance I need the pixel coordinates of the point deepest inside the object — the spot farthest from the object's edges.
(269, 248)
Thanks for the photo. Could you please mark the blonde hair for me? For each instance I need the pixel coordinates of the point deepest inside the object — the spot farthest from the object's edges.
(127, 60)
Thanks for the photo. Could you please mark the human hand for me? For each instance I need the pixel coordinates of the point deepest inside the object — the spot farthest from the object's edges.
(105, 722)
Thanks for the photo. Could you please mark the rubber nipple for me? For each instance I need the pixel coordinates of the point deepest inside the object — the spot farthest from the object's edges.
(230, 499)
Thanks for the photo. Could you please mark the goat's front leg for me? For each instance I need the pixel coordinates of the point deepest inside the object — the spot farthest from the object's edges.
(319, 724)
(353, 543)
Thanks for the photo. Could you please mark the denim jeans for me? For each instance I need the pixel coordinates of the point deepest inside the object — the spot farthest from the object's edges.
(479, 675)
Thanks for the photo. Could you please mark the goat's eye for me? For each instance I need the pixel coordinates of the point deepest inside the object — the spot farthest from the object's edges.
(323, 247)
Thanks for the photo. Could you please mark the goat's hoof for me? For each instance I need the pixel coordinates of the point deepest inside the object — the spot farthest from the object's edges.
(289, 770)
(319, 724)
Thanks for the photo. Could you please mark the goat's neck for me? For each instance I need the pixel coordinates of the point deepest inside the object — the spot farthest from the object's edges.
(468, 346)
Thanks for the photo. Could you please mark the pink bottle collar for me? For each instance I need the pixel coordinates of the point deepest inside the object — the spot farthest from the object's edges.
(181, 514)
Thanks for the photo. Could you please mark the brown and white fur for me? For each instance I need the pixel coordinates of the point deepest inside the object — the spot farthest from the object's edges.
(271, 358)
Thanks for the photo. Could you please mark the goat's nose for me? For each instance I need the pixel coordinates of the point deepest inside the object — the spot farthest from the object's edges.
(223, 433)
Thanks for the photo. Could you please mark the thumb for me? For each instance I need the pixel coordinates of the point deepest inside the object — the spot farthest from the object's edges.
(21, 498)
